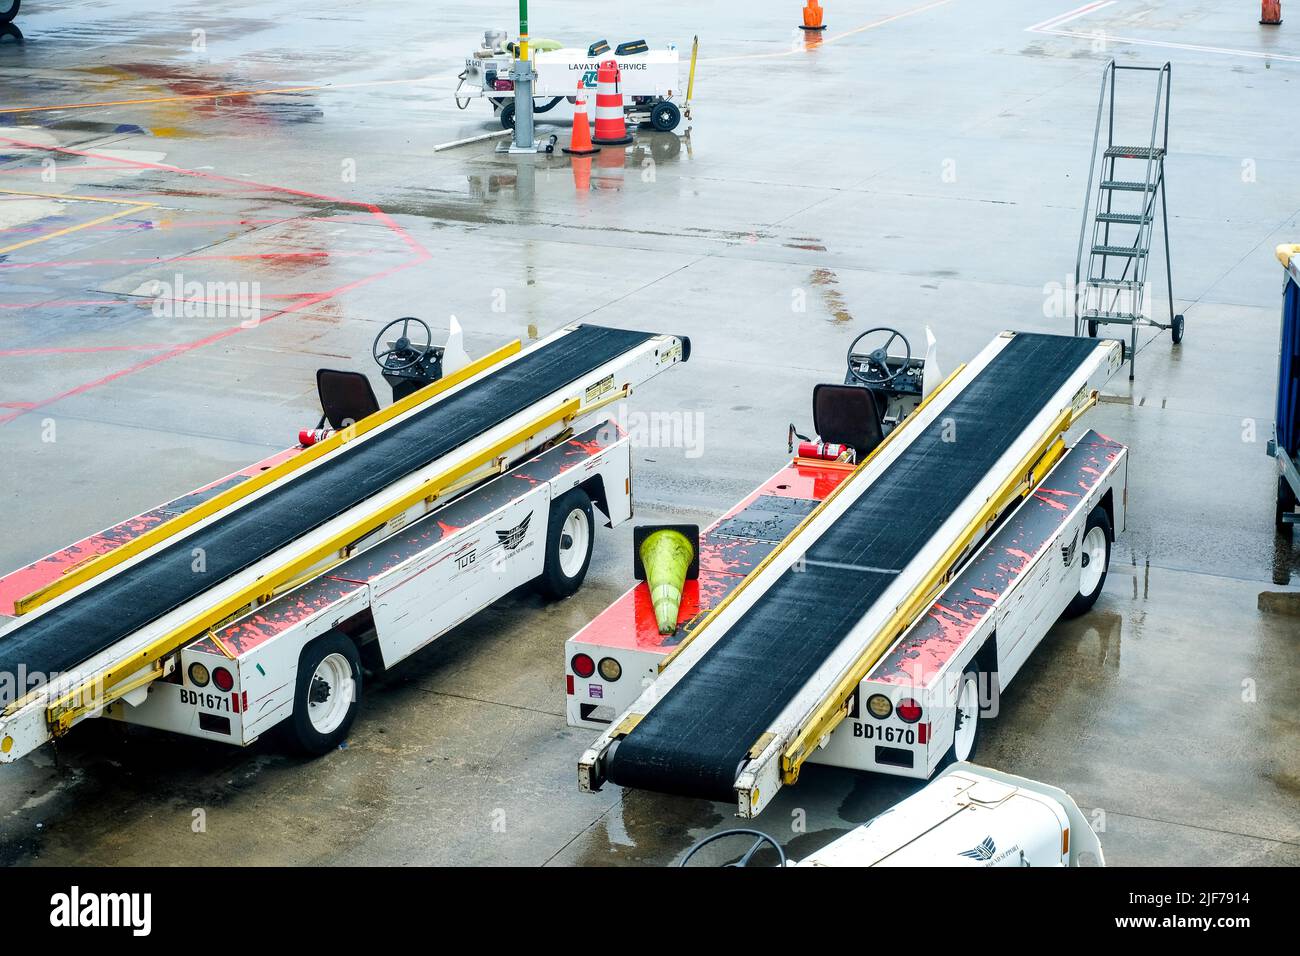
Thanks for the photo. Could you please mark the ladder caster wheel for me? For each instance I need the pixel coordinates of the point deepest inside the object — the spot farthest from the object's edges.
(1092, 328)
(1176, 331)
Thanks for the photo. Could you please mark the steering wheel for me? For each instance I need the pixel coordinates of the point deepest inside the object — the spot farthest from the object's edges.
(401, 355)
(744, 860)
(877, 372)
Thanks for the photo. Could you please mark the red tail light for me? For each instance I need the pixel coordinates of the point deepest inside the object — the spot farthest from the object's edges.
(583, 665)
(222, 678)
(908, 710)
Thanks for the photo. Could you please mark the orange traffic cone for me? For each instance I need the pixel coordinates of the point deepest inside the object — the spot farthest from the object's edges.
(1270, 12)
(812, 16)
(580, 138)
(611, 125)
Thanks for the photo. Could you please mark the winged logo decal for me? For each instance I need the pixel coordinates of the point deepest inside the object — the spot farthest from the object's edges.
(983, 852)
(512, 537)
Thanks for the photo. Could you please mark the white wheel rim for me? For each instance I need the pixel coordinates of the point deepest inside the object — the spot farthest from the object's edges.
(1093, 561)
(329, 693)
(968, 713)
(573, 542)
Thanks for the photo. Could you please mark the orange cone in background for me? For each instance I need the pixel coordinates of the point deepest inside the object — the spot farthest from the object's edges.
(611, 125)
(580, 138)
(1270, 12)
(812, 16)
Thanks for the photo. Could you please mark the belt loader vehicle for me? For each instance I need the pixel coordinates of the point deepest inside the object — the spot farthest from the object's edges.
(648, 79)
(251, 604)
(864, 606)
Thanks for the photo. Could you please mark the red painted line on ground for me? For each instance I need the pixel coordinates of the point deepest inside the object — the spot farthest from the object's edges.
(208, 340)
(68, 169)
(161, 225)
(422, 255)
(59, 263)
(83, 350)
(140, 164)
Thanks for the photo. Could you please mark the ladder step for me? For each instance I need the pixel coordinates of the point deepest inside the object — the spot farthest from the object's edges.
(1123, 185)
(1098, 281)
(1129, 252)
(1131, 218)
(1135, 152)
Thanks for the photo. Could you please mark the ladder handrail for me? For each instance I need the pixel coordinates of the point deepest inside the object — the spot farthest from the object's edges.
(1108, 72)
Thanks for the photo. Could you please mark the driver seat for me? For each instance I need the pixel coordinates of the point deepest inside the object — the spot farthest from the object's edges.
(848, 415)
(345, 397)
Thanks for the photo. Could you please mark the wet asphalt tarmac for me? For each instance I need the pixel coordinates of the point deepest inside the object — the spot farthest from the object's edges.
(920, 163)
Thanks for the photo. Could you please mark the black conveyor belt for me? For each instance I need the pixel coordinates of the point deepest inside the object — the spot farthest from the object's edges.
(67, 635)
(693, 741)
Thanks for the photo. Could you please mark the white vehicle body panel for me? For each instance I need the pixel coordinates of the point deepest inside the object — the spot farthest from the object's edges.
(972, 816)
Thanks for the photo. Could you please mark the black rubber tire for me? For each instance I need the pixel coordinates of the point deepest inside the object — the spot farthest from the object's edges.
(1176, 330)
(1082, 603)
(970, 673)
(553, 583)
(665, 116)
(1092, 328)
(297, 732)
(7, 13)
(1286, 502)
(507, 115)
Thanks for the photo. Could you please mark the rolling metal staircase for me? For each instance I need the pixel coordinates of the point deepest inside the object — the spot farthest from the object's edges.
(1114, 289)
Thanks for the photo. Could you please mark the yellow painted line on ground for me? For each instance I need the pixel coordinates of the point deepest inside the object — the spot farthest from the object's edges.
(132, 207)
(874, 24)
(218, 95)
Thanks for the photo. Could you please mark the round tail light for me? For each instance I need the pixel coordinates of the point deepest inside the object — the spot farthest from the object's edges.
(583, 665)
(879, 706)
(908, 710)
(610, 669)
(223, 679)
(199, 676)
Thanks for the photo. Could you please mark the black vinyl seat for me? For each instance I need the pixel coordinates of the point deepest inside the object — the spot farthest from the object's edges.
(848, 415)
(345, 397)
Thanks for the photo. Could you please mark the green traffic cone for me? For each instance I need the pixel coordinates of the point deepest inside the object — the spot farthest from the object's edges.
(666, 556)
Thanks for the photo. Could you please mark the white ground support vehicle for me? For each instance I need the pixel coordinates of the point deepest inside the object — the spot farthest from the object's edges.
(648, 79)
(909, 676)
(432, 508)
(968, 816)
(972, 816)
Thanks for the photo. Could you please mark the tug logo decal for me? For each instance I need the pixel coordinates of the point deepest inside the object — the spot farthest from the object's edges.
(983, 852)
(512, 538)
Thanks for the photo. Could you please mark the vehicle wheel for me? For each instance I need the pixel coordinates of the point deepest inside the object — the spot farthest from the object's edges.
(507, 115)
(327, 696)
(665, 116)
(1286, 502)
(1176, 331)
(569, 539)
(9, 10)
(1094, 558)
(966, 731)
(1092, 328)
